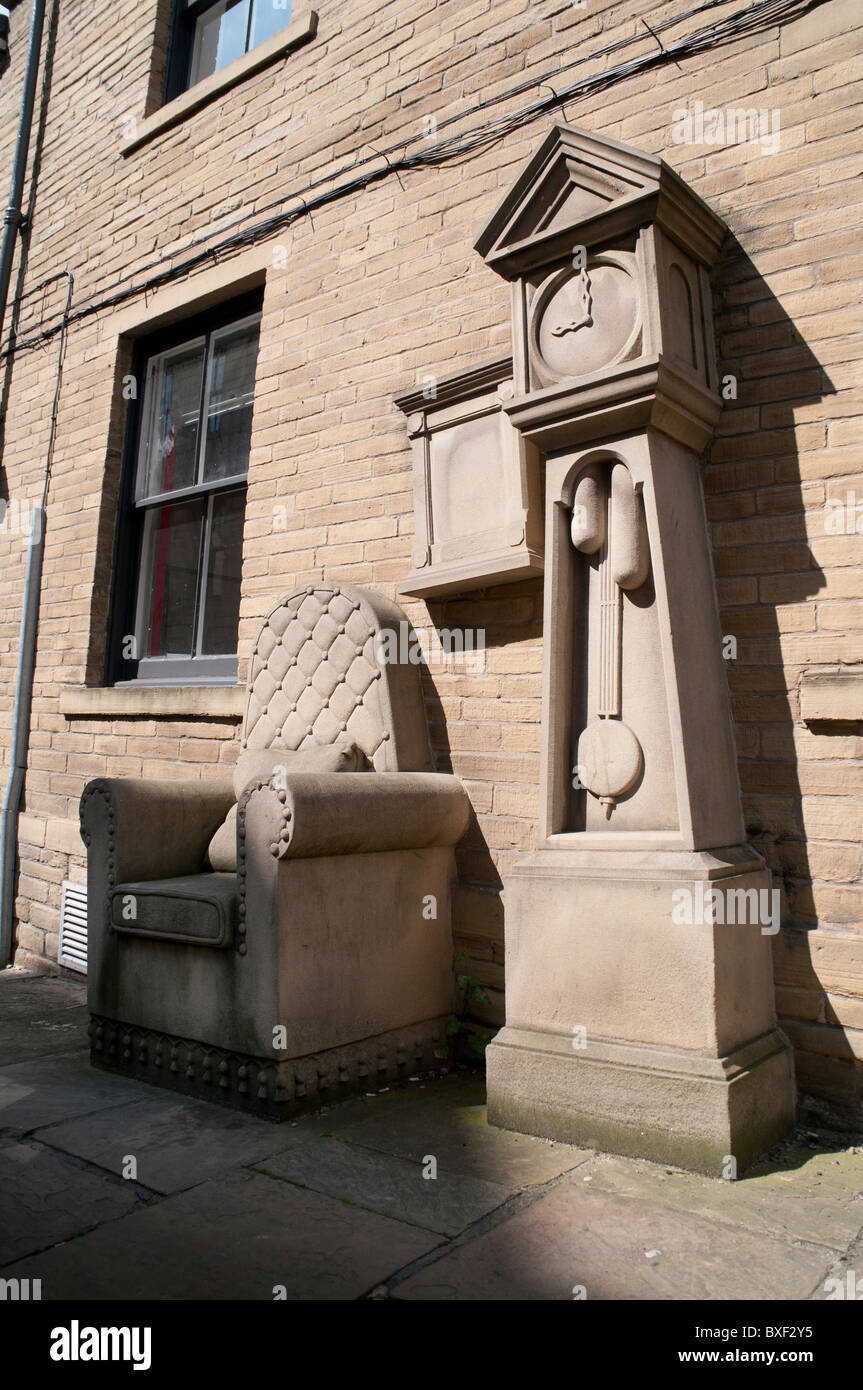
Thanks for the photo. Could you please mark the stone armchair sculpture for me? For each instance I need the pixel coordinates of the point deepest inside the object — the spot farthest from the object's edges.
(324, 962)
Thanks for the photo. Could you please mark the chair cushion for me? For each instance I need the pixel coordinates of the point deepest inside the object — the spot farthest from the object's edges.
(222, 849)
(267, 763)
(200, 909)
(341, 756)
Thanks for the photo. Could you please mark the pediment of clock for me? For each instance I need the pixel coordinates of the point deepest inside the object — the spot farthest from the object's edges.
(580, 188)
(573, 179)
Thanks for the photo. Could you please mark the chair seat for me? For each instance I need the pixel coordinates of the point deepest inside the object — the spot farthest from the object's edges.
(198, 909)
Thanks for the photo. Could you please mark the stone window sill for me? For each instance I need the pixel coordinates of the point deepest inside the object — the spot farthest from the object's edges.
(153, 702)
(302, 27)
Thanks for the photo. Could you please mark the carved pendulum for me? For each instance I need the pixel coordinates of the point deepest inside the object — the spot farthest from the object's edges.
(609, 520)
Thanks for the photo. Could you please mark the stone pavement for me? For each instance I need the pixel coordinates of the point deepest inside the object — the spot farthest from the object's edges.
(336, 1204)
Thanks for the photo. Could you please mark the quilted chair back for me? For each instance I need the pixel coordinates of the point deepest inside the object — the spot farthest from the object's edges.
(316, 675)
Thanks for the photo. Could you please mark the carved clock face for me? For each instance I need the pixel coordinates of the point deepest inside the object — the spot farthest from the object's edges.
(582, 320)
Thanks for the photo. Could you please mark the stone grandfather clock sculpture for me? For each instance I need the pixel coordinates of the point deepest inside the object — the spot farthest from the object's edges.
(640, 1012)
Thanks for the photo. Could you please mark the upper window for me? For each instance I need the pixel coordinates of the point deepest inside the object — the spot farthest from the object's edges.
(181, 532)
(210, 33)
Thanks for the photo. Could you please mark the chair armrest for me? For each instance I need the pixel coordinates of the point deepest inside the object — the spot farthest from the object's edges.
(152, 829)
(361, 812)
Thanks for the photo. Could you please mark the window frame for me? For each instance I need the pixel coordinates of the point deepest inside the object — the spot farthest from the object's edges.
(184, 29)
(126, 595)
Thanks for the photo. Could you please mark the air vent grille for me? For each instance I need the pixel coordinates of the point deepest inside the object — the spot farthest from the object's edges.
(73, 927)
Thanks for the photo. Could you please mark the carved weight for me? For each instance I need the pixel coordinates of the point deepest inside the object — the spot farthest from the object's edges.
(629, 550)
(589, 509)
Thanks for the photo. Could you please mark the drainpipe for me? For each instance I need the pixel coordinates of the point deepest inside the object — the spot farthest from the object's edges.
(12, 219)
(20, 731)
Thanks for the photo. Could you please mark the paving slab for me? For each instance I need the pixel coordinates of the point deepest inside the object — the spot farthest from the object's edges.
(45, 1198)
(614, 1248)
(177, 1143)
(23, 994)
(46, 1090)
(751, 1202)
(233, 1238)
(394, 1187)
(447, 1119)
(844, 1280)
(46, 1031)
(39, 1015)
(334, 1204)
(804, 1171)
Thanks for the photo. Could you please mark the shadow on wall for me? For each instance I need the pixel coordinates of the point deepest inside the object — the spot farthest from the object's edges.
(758, 497)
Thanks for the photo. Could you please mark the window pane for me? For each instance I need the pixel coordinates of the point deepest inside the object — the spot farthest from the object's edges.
(224, 572)
(230, 396)
(169, 579)
(169, 440)
(220, 37)
(268, 16)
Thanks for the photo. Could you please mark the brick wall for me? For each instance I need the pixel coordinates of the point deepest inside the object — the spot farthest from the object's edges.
(365, 297)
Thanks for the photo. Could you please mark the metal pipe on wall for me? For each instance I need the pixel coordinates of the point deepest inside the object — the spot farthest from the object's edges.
(12, 219)
(20, 730)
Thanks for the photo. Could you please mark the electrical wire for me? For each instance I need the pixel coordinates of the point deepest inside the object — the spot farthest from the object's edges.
(753, 19)
(61, 352)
